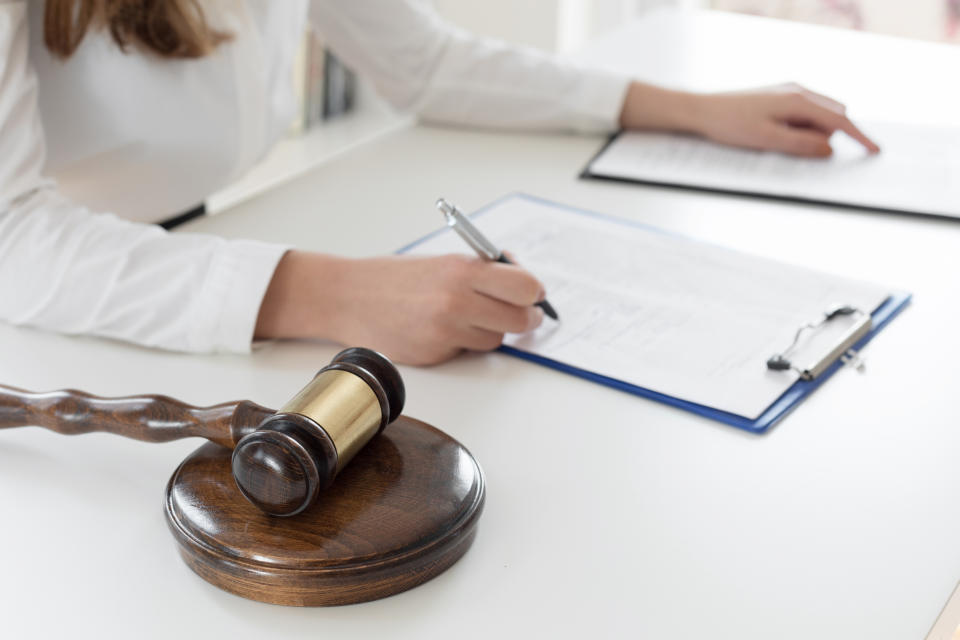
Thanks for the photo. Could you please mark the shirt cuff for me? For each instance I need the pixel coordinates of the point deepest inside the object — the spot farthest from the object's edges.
(238, 280)
(599, 100)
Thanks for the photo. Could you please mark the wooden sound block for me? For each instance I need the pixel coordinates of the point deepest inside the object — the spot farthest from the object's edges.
(400, 513)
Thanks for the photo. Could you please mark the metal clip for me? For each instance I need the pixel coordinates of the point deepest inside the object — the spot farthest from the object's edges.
(843, 350)
(853, 359)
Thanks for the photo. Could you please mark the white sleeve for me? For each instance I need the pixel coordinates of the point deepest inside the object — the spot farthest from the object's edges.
(422, 64)
(67, 269)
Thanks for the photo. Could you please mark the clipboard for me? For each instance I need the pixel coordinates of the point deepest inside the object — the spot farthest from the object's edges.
(773, 414)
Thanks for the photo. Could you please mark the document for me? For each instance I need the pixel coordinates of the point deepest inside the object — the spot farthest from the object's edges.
(916, 171)
(659, 311)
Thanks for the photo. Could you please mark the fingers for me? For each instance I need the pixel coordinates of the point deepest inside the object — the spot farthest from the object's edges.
(851, 130)
(825, 118)
(494, 315)
(491, 319)
(476, 339)
(481, 322)
(508, 283)
(810, 143)
(478, 302)
(822, 113)
(482, 338)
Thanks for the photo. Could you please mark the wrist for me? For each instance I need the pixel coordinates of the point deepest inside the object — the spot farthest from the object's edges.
(301, 300)
(659, 109)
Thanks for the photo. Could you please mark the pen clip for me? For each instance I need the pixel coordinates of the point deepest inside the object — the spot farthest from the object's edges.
(470, 234)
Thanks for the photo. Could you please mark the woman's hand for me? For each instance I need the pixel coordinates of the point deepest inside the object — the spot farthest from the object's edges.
(786, 118)
(416, 310)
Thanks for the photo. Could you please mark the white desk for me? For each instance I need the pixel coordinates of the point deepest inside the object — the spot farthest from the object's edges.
(607, 515)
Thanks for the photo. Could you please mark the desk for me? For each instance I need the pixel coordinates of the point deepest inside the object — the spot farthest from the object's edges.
(840, 523)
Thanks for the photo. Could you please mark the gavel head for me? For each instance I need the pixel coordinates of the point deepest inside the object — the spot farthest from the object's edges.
(297, 452)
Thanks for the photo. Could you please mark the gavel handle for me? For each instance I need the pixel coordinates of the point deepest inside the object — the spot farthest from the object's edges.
(151, 418)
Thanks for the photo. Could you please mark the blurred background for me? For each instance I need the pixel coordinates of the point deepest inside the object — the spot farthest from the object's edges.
(565, 25)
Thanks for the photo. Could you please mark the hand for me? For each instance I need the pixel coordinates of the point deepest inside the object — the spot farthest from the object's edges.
(416, 310)
(786, 118)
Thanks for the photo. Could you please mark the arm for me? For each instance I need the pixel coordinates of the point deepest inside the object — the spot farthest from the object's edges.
(420, 63)
(417, 310)
(67, 269)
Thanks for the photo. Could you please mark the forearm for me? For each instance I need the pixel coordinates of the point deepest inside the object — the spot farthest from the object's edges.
(66, 269)
(654, 108)
(485, 83)
(301, 300)
(424, 65)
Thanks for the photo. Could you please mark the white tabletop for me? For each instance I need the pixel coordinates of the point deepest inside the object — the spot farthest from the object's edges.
(607, 515)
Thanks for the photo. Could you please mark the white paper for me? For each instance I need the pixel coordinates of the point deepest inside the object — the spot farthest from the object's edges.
(684, 318)
(917, 169)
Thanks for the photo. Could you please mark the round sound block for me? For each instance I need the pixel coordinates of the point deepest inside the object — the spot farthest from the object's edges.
(401, 512)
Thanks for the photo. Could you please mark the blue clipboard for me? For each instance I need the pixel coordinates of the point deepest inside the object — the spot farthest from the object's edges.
(783, 405)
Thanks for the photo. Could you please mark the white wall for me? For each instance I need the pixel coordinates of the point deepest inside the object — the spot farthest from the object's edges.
(553, 25)
(926, 19)
(530, 22)
(567, 25)
(583, 20)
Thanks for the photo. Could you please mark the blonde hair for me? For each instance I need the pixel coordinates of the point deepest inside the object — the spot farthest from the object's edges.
(169, 28)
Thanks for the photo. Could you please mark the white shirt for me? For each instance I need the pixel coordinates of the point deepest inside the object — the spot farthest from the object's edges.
(94, 147)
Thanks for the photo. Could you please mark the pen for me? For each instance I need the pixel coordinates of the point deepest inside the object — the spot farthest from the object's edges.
(479, 243)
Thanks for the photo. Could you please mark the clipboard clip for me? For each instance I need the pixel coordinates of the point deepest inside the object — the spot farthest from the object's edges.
(843, 350)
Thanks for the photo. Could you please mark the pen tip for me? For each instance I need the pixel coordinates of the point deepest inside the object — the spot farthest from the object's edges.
(548, 310)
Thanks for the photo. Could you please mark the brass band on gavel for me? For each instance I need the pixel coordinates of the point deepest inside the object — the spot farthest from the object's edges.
(344, 406)
(296, 453)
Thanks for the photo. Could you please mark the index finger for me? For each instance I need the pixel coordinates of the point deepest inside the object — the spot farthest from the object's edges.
(818, 113)
(847, 126)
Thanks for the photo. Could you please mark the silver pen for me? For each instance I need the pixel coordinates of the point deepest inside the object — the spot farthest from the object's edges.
(479, 243)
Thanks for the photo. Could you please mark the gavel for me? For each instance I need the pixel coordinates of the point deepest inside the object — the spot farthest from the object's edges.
(282, 460)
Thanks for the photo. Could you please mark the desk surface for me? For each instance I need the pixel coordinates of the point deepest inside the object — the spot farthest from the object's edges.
(840, 523)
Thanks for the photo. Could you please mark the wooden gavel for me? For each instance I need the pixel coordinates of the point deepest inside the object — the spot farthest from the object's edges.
(281, 459)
